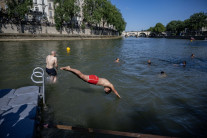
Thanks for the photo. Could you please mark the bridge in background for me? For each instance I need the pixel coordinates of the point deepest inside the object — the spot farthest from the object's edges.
(136, 33)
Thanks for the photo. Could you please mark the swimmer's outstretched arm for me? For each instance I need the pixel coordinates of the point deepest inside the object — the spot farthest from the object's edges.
(114, 90)
(175, 65)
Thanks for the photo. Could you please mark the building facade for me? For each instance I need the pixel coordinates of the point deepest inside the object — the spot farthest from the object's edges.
(50, 11)
(79, 18)
(45, 10)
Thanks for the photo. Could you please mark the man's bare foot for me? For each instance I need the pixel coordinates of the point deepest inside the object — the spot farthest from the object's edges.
(65, 68)
(45, 125)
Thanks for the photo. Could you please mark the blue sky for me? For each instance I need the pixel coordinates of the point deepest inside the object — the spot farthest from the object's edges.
(142, 14)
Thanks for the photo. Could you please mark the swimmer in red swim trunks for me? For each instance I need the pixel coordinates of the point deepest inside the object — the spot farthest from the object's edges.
(93, 79)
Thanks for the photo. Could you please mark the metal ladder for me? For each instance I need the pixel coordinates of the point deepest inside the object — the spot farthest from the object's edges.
(39, 73)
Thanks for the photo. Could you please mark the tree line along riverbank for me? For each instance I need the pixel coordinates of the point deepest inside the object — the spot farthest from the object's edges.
(195, 25)
(69, 15)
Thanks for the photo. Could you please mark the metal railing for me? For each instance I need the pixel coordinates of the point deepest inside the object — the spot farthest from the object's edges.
(39, 73)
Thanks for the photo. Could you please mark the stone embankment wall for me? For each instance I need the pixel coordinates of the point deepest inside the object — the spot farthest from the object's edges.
(43, 29)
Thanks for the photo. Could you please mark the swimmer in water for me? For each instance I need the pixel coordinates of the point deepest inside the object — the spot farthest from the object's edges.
(93, 79)
(149, 62)
(117, 60)
(51, 64)
(181, 64)
(192, 55)
(163, 74)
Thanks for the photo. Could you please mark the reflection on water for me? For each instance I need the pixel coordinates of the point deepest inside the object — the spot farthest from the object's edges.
(175, 105)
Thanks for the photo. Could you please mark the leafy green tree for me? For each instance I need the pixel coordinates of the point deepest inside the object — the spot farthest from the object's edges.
(196, 21)
(114, 17)
(65, 11)
(175, 27)
(180, 27)
(17, 9)
(171, 27)
(159, 28)
(88, 11)
(186, 23)
(102, 11)
(150, 29)
(71, 10)
(119, 24)
(93, 11)
(194, 25)
(59, 15)
(106, 9)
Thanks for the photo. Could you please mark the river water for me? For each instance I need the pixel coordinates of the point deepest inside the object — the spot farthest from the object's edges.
(175, 105)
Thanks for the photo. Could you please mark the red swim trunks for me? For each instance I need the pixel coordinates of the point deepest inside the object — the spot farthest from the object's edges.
(93, 79)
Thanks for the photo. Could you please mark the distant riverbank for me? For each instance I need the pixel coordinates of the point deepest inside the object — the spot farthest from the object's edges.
(28, 37)
(181, 37)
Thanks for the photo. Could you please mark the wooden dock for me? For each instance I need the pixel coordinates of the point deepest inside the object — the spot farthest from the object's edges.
(19, 110)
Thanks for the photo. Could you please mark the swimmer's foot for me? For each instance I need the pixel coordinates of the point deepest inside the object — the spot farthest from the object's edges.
(49, 125)
(65, 68)
(45, 125)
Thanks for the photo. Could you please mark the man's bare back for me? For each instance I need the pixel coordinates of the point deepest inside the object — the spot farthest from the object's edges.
(51, 64)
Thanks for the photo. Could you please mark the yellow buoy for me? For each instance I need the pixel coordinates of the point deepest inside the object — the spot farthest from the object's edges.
(68, 48)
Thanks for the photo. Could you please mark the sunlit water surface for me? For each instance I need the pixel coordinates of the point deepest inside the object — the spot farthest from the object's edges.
(175, 105)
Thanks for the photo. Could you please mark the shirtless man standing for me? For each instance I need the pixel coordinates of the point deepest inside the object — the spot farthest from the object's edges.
(51, 62)
(93, 79)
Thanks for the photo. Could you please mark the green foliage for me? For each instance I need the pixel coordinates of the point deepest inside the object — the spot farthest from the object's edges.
(150, 29)
(175, 27)
(159, 28)
(18, 8)
(101, 12)
(59, 16)
(65, 10)
(83, 26)
(92, 11)
(196, 21)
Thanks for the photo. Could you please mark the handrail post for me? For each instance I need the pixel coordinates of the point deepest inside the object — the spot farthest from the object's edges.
(39, 75)
(43, 89)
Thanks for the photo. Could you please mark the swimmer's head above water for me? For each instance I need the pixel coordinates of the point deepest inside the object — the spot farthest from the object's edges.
(117, 60)
(149, 62)
(184, 63)
(162, 72)
(53, 53)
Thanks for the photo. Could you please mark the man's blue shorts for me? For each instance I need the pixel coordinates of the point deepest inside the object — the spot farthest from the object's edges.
(51, 72)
